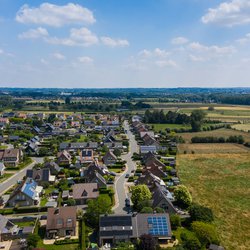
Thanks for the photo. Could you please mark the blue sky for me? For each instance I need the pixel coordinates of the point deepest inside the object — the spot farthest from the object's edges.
(125, 43)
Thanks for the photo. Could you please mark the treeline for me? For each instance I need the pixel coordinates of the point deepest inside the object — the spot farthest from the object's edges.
(243, 99)
(211, 139)
(159, 117)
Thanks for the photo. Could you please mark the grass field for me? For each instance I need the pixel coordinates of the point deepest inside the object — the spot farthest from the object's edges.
(242, 127)
(223, 132)
(221, 182)
(162, 127)
(211, 148)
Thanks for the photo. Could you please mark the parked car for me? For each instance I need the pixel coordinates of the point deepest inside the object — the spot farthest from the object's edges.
(112, 173)
(127, 175)
(110, 182)
(127, 202)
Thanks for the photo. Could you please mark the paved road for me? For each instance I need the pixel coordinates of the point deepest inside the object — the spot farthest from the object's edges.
(4, 186)
(121, 194)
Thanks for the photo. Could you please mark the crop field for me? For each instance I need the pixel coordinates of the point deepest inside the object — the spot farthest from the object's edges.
(211, 148)
(221, 182)
(223, 132)
(242, 127)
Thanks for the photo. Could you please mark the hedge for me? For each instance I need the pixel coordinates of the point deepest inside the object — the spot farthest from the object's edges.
(66, 241)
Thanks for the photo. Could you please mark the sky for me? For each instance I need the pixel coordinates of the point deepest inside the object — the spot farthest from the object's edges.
(124, 43)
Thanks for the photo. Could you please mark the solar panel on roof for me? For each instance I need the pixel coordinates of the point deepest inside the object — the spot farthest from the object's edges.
(158, 226)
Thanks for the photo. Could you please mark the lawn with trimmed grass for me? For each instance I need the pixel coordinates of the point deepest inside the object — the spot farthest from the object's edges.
(221, 182)
(4, 177)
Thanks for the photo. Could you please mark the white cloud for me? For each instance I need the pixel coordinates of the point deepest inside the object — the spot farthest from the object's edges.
(153, 53)
(85, 60)
(1, 51)
(244, 40)
(44, 62)
(194, 58)
(230, 13)
(55, 15)
(166, 63)
(58, 56)
(78, 37)
(179, 40)
(214, 49)
(34, 33)
(108, 41)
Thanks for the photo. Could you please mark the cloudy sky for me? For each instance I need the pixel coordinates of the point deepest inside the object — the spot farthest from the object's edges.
(125, 43)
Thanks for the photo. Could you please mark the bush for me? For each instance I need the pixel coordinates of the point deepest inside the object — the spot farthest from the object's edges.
(175, 221)
(147, 210)
(205, 232)
(66, 241)
(201, 213)
(190, 241)
(182, 196)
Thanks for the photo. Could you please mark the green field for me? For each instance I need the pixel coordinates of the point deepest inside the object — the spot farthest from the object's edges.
(223, 132)
(4, 177)
(162, 127)
(221, 182)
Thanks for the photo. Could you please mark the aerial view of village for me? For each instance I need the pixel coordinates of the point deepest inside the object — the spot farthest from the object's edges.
(124, 125)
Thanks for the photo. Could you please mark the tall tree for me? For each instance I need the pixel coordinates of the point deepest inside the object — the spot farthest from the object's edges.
(140, 193)
(197, 118)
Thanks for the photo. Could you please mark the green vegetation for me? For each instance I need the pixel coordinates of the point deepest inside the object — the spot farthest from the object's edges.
(140, 193)
(221, 183)
(4, 177)
(182, 196)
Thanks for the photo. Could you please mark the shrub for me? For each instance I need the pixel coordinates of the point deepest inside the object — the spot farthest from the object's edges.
(201, 213)
(205, 232)
(175, 221)
(190, 241)
(182, 196)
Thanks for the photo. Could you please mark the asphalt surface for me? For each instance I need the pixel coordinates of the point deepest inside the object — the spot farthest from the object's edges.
(4, 186)
(120, 189)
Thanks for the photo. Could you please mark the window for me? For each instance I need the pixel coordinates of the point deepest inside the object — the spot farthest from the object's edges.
(59, 221)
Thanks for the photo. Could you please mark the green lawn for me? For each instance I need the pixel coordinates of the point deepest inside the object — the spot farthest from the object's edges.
(162, 127)
(25, 224)
(221, 182)
(5, 177)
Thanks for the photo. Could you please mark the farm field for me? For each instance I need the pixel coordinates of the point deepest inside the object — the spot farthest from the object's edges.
(223, 132)
(221, 182)
(242, 127)
(211, 148)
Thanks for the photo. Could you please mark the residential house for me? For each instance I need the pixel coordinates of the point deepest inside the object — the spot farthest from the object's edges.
(86, 156)
(146, 149)
(163, 198)
(64, 158)
(85, 191)
(53, 167)
(114, 228)
(11, 157)
(61, 222)
(109, 158)
(26, 194)
(7, 229)
(41, 175)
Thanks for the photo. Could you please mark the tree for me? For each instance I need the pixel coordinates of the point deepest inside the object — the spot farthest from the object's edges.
(190, 241)
(159, 210)
(117, 152)
(147, 242)
(140, 193)
(182, 196)
(205, 232)
(32, 240)
(96, 207)
(147, 210)
(67, 100)
(175, 221)
(124, 246)
(197, 117)
(200, 213)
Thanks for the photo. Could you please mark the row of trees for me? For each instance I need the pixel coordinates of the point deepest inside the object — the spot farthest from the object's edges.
(196, 119)
(171, 117)
(211, 139)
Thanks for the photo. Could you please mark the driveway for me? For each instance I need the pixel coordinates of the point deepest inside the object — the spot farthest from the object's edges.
(18, 176)
(121, 190)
